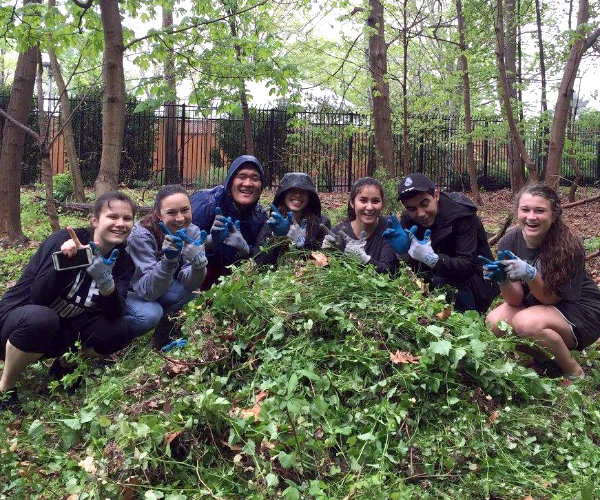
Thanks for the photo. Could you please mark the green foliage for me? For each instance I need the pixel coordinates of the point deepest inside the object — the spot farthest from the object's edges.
(62, 186)
(287, 388)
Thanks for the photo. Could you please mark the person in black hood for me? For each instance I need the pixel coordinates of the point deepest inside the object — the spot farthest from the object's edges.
(295, 218)
(444, 240)
(232, 216)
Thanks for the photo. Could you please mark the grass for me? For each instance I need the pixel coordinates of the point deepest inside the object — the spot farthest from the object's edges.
(287, 390)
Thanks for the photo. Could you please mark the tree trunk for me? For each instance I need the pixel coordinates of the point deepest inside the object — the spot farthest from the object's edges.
(572, 160)
(113, 104)
(2, 68)
(67, 130)
(13, 140)
(543, 124)
(467, 104)
(517, 177)
(172, 172)
(380, 102)
(565, 93)
(517, 173)
(46, 166)
(247, 121)
(405, 129)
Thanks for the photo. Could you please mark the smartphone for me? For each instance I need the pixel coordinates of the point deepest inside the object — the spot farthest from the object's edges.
(82, 258)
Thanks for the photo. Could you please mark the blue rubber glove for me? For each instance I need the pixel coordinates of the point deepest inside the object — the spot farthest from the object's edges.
(518, 270)
(279, 224)
(493, 269)
(101, 268)
(220, 228)
(396, 236)
(174, 344)
(421, 250)
(193, 250)
(172, 244)
(297, 233)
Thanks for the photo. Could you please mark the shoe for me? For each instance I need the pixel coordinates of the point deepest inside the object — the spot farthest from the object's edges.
(9, 401)
(57, 371)
(164, 333)
(568, 376)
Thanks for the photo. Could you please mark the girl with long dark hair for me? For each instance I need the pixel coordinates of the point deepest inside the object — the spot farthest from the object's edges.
(549, 296)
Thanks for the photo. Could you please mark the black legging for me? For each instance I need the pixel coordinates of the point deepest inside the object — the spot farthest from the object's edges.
(34, 328)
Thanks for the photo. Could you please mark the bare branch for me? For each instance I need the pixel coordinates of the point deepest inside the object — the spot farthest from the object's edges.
(25, 128)
(591, 39)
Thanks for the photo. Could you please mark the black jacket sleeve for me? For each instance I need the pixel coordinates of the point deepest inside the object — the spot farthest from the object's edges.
(464, 261)
(45, 280)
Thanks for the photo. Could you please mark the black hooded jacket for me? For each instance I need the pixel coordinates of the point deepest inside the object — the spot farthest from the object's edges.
(312, 212)
(458, 237)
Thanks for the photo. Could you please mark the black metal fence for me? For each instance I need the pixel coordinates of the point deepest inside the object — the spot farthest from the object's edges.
(334, 147)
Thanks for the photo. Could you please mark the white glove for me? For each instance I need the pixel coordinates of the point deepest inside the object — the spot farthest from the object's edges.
(357, 247)
(421, 250)
(236, 240)
(517, 269)
(297, 233)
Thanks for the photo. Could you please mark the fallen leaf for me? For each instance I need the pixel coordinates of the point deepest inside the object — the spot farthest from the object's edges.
(172, 369)
(423, 286)
(88, 465)
(232, 447)
(445, 314)
(318, 434)
(260, 396)
(529, 497)
(493, 417)
(321, 260)
(251, 412)
(401, 357)
(170, 436)
(74, 496)
(473, 466)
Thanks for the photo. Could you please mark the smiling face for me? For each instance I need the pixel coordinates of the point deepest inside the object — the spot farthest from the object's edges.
(113, 225)
(296, 199)
(423, 208)
(535, 216)
(367, 205)
(175, 211)
(246, 186)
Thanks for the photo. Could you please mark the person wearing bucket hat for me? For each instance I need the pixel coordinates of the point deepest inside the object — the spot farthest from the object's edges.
(295, 219)
(231, 215)
(441, 235)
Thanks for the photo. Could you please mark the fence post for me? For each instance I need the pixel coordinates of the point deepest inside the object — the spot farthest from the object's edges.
(421, 152)
(271, 146)
(350, 150)
(598, 160)
(485, 154)
(182, 145)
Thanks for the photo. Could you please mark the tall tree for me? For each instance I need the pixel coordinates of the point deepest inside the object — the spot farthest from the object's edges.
(380, 90)
(581, 41)
(467, 104)
(172, 172)
(543, 123)
(113, 100)
(43, 143)
(13, 140)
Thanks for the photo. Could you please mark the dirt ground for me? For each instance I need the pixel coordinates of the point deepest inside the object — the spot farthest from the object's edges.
(496, 206)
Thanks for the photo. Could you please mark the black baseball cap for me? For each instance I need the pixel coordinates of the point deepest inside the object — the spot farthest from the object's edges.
(413, 184)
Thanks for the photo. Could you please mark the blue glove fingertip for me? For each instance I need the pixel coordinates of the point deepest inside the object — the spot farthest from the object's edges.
(427, 235)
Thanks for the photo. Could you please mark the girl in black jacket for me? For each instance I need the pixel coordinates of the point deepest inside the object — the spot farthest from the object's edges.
(295, 219)
(47, 311)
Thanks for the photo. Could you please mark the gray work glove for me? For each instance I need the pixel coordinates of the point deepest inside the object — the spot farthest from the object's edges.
(357, 247)
(236, 240)
(101, 269)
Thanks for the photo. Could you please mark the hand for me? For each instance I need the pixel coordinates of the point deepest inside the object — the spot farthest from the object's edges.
(421, 250)
(70, 247)
(220, 228)
(396, 236)
(279, 224)
(172, 245)
(297, 233)
(193, 250)
(357, 247)
(236, 240)
(101, 269)
(517, 269)
(493, 269)
(331, 239)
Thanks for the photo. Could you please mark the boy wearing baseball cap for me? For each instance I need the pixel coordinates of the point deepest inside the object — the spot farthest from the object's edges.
(444, 240)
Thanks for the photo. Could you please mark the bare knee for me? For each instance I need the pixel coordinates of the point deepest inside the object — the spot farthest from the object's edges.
(494, 317)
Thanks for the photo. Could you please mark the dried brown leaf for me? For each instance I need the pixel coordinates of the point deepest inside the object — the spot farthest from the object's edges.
(402, 357)
(170, 436)
(492, 418)
(321, 260)
(445, 314)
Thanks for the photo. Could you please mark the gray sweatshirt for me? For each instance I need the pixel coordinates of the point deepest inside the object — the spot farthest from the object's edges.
(153, 277)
